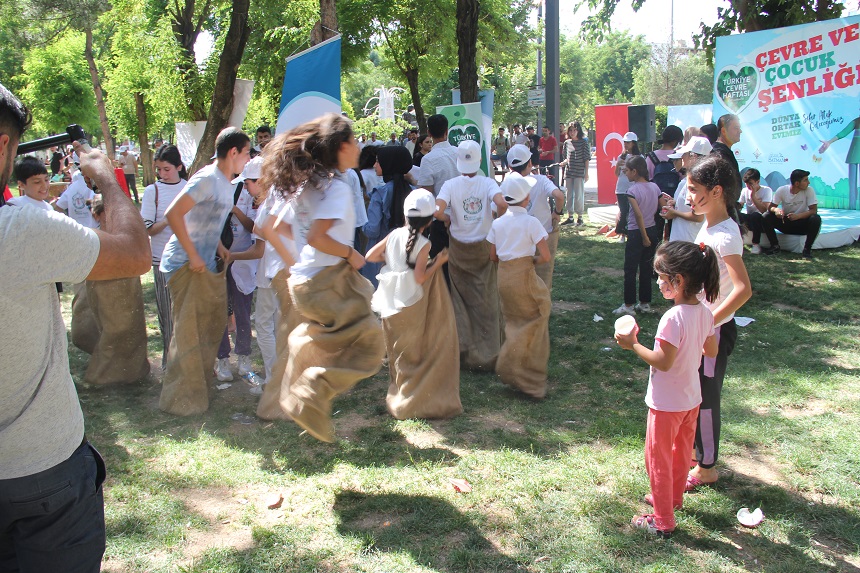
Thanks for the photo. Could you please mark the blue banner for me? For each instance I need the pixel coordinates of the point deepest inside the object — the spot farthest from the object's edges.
(311, 85)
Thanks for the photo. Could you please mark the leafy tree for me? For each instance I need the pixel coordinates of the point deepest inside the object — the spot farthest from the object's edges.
(358, 84)
(57, 86)
(671, 79)
(612, 62)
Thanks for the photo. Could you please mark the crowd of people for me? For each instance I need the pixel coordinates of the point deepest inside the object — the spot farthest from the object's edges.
(361, 250)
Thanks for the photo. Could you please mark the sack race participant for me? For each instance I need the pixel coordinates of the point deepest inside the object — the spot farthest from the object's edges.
(85, 330)
(197, 291)
(417, 318)
(339, 341)
(474, 282)
(543, 192)
(514, 238)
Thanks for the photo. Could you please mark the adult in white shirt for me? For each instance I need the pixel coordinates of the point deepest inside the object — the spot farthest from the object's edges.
(437, 167)
(793, 211)
(686, 224)
(756, 199)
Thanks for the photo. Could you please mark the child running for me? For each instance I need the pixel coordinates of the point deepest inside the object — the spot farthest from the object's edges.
(642, 237)
(339, 341)
(713, 189)
(417, 318)
(514, 238)
(674, 394)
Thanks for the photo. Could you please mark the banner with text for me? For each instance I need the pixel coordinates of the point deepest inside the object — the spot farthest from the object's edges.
(797, 93)
(311, 85)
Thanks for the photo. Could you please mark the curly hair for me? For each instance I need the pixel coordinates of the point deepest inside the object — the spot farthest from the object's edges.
(307, 154)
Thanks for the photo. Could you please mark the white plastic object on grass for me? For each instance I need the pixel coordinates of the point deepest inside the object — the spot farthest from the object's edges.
(749, 518)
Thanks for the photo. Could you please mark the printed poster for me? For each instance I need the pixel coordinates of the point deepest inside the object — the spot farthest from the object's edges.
(465, 121)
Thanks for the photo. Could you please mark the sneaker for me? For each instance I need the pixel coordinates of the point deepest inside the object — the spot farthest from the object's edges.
(580, 223)
(568, 221)
(222, 370)
(245, 366)
(255, 383)
(755, 250)
(807, 254)
(622, 238)
(774, 250)
(646, 522)
(643, 307)
(624, 309)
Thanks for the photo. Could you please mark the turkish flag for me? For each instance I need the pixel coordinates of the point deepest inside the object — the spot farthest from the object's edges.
(610, 127)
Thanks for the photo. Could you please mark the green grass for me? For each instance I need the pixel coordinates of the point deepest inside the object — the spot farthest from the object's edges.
(555, 483)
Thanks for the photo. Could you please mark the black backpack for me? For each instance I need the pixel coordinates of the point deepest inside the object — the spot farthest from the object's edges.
(665, 176)
(227, 230)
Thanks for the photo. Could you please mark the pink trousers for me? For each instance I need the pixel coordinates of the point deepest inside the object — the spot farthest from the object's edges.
(668, 443)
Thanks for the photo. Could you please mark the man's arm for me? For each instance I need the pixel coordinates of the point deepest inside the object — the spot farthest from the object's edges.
(813, 209)
(123, 243)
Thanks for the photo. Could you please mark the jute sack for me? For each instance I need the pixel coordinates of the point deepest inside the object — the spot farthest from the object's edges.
(545, 270)
(275, 393)
(338, 343)
(199, 319)
(526, 305)
(120, 353)
(85, 329)
(475, 297)
(424, 356)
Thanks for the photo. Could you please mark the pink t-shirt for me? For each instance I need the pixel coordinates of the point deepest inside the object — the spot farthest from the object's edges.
(686, 327)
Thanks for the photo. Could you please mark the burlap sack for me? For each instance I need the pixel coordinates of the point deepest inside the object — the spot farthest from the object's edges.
(85, 329)
(275, 393)
(120, 353)
(545, 270)
(424, 356)
(199, 319)
(524, 356)
(338, 343)
(475, 297)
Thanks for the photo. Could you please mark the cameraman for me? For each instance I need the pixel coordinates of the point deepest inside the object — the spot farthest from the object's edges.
(51, 503)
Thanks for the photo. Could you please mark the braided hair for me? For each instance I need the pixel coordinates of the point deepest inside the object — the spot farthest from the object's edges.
(415, 226)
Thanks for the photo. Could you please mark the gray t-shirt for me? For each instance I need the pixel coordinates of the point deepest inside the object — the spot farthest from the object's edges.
(41, 423)
(438, 166)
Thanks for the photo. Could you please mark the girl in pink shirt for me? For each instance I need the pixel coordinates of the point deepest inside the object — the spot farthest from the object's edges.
(674, 392)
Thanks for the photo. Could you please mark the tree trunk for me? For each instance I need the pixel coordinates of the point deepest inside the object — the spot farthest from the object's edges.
(412, 79)
(143, 138)
(326, 27)
(100, 99)
(222, 98)
(467, 48)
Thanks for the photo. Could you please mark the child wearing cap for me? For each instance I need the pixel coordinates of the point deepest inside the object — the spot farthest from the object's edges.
(514, 238)
(631, 150)
(544, 190)
(417, 318)
(473, 275)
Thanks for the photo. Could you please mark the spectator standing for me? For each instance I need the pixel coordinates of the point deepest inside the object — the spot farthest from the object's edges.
(547, 145)
(128, 162)
(534, 144)
(686, 224)
(501, 145)
(577, 154)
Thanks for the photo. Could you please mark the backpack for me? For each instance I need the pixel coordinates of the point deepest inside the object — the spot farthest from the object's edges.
(227, 230)
(665, 176)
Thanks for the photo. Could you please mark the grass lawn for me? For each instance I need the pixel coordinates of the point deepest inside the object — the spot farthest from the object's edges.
(555, 483)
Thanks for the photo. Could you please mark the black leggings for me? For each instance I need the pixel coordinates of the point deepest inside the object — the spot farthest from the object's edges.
(712, 371)
(638, 257)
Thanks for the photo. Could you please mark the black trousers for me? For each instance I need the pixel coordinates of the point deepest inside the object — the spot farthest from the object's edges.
(810, 227)
(638, 257)
(712, 372)
(754, 222)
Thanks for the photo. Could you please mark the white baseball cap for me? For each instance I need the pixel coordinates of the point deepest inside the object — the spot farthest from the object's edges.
(519, 155)
(697, 145)
(123, 148)
(516, 188)
(630, 136)
(419, 203)
(468, 156)
(252, 170)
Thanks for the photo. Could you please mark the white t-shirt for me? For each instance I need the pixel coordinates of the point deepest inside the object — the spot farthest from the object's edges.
(470, 200)
(797, 203)
(438, 166)
(212, 194)
(516, 234)
(244, 272)
(24, 201)
(153, 213)
(272, 263)
(74, 200)
(764, 195)
(41, 423)
(539, 201)
(521, 138)
(682, 229)
(332, 202)
(725, 238)
(686, 327)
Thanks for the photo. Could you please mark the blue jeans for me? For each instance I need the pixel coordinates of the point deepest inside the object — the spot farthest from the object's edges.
(54, 520)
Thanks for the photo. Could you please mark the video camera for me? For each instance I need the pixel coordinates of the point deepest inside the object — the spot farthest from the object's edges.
(73, 133)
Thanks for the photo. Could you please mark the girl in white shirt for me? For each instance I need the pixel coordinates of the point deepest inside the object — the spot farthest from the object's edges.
(713, 189)
(156, 199)
(674, 392)
(339, 341)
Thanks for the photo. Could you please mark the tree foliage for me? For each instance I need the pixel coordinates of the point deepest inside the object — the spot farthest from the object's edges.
(671, 79)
